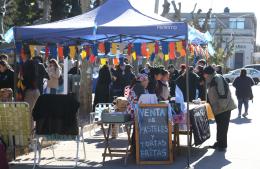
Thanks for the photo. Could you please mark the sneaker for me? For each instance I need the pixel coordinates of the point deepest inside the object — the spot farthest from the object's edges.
(245, 114)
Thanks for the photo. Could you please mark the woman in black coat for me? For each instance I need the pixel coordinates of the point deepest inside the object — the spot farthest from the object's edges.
(6, 75)
(102, 89)
(243, 85)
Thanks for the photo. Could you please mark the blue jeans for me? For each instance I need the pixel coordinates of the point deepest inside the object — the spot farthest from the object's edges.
(242, 101)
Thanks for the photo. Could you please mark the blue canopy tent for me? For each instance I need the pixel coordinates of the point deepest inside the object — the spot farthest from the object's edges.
(115, 21)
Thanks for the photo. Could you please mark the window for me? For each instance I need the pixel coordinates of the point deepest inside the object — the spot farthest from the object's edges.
(237, 23)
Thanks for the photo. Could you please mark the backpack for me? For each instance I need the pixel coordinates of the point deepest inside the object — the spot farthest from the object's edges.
(226, 87)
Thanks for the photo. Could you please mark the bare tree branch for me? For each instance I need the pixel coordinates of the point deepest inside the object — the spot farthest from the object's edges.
(206, 22)
(166, 8)
(177, 14)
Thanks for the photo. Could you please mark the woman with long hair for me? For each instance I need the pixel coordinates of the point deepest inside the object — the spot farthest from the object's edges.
(54, 71)
(6, 75)
(243, 85)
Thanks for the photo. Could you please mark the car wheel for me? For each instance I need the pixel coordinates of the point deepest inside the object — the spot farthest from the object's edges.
(256, 81)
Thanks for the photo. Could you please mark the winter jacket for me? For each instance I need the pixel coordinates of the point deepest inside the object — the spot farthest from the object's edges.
(54, 75)
(243, 87)
(216, 89)
(7, 79)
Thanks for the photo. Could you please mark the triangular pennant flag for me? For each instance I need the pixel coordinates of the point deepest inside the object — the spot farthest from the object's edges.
(166, 57)
(114, 48)
(83, 54)
(134, 55)
(165, 48)
(88, 51)
(103, 61)
(151, 48)
(115, 61)
(32, 50)
(137, 47)
(72, 52)
(53, 51)
(66, 51)
(92, 58)
(129, 49)
(152, 57)
(101, 47)
(60, 52)
(172, 50)
(183, 53)
(107, 47)
(179, 46)
(156, 48)
(143, 49)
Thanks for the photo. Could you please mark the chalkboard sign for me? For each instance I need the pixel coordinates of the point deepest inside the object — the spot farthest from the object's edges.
(153, 135)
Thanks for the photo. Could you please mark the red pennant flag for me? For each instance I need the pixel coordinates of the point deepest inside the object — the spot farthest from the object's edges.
(101, 47)
(129, 49)
(47, 50)
(172, 50)
(116, 61)
(92, 58)
(156, 48)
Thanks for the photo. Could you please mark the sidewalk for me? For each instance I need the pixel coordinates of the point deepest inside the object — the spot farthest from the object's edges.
(242, 153)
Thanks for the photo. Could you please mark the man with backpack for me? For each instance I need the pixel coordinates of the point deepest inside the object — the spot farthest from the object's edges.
(219, 97)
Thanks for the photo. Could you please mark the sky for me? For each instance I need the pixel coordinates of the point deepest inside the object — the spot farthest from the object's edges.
(216, 5)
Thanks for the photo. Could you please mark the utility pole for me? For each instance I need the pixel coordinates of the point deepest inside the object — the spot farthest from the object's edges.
(156, 7)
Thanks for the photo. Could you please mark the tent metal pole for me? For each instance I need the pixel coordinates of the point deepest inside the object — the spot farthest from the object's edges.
(187, 96)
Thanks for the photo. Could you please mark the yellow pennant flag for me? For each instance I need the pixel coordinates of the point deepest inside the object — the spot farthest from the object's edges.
(113, 48)
(72, 52)
(179, 46)
(32, 50)
(166, 57)
(83, 54)
(134, 55)
(103, 61)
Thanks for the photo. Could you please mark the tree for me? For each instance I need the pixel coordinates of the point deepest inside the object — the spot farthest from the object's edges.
(59, 9)
(166, 8)
(75, 8)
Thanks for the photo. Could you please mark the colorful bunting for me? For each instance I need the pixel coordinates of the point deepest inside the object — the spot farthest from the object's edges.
(53, 51)
(47, 51)
(166, 57)
(183, 53)
(101, 47)
(103, 61)
(92, 58)
(134, 55)
(179, 46)
(151, 48)
(137, 48)
(144, 49)
(152, 57)
(129, 49)
(83, 54)
(114, 48)
(32, 50)
(107, 47)
(156, 48)
(116, 61)
(165, 47)
(60, 52)
(172, 50)
(72, 52)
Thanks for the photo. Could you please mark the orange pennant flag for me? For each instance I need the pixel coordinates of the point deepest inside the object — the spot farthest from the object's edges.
(116, 61)
(101, 47)
(183, 53)
(113, 48)
(143, 49)
(172, 50)
(60, 52)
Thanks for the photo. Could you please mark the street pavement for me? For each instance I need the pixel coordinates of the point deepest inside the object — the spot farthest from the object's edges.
(242, 152)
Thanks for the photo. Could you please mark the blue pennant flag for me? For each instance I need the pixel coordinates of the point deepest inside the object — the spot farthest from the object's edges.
(165, 48)
(137, 47)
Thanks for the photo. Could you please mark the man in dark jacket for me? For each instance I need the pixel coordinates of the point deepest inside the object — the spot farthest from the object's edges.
(193, 84)
(243, 85)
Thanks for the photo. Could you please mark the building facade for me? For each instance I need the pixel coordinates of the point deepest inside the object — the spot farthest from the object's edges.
(239, 27)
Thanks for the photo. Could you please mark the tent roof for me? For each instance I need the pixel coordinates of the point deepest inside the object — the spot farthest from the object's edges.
(115, 20)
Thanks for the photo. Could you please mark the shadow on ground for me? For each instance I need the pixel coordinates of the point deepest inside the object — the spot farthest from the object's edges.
(241, 120)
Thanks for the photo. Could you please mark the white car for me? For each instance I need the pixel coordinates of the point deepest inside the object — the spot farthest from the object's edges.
(253, 73)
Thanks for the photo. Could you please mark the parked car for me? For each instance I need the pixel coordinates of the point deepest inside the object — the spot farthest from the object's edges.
(253, 73)
(254, 66)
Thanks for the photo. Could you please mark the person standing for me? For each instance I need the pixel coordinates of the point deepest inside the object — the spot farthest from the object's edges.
(102, 93)
(54, 72)
(174, 74)
(243, 85)
(221, 101)
(6, 76)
